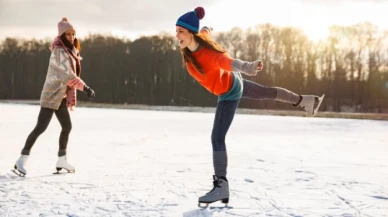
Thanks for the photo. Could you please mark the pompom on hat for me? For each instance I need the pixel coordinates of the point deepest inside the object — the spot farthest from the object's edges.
(190, 20)
(64, 25)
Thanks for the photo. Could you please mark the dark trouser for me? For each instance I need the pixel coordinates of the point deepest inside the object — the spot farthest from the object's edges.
(223, 119)
(44, 119)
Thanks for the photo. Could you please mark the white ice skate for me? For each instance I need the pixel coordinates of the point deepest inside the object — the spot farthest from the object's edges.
(220, 192)
(19, 166)
(310, 104)
(63, 164)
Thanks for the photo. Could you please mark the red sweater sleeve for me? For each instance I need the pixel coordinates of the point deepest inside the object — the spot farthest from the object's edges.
(223, 61)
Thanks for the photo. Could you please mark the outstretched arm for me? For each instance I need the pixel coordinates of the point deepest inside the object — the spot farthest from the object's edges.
(248, 68)
(226, 63)
(229, 64)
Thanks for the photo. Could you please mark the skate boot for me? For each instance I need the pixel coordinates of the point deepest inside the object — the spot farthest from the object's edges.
(220, 192)
(310, 104)
(19, 166)
(63, 164)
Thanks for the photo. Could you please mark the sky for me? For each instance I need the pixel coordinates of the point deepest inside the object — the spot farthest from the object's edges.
(132, 18)
(149, 163)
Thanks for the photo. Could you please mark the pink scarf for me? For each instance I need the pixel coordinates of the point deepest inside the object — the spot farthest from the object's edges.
(71, 93)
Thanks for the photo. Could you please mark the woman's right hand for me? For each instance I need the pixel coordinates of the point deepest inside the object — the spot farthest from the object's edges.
(89, 92)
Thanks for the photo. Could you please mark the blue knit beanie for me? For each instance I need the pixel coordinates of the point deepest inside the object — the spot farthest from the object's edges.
(190, 20)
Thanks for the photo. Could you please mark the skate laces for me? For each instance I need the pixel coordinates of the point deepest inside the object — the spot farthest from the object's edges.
(315, 102)
(216, 184)
(303, 107)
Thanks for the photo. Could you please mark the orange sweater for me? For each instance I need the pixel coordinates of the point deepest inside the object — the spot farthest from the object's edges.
(217, 75)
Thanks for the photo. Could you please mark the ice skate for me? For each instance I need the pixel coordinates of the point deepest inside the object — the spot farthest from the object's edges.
(63, 164)
(310, 104)
(220, 192)
(19, 166)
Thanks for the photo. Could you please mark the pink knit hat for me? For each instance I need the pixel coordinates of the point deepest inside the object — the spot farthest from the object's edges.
(64, 25)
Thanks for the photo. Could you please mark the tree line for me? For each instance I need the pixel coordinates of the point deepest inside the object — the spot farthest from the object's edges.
(350, 66)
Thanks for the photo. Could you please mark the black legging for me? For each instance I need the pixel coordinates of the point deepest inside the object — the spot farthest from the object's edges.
(44, 119)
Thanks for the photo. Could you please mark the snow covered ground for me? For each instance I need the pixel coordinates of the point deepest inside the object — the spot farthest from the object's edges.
(157, 163)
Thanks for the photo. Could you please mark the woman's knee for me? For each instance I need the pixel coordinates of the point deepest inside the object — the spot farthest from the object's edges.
(67, 128)
(218, 142)
(218, 146)
(39, 129)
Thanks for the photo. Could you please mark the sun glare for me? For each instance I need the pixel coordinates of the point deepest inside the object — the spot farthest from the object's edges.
(314, 18)
(316, 32)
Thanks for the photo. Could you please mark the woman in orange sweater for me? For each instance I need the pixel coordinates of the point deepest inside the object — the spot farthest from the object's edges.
(220, 74)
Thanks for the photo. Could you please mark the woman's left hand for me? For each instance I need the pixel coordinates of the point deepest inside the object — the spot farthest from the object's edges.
(259, 66)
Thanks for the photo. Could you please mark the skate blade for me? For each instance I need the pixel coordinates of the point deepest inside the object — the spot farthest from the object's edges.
(64, 172)
(206, 204)
(220, 207)
(59, 173)
(319, 104)
(17, 172)
(203, 205)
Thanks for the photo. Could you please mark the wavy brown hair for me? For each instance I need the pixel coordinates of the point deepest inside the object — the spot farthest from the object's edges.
(68, 44)
(203, 41)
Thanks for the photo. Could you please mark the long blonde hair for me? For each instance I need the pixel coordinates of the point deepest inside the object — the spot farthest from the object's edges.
(203, 41)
